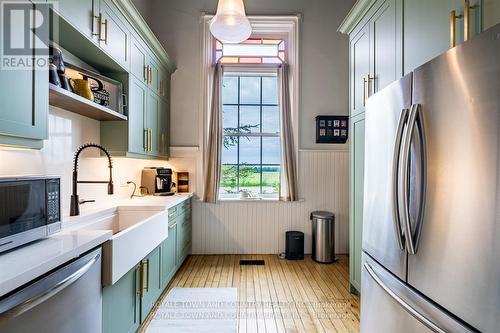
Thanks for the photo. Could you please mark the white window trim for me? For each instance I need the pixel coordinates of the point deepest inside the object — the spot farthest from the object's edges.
(286, 27)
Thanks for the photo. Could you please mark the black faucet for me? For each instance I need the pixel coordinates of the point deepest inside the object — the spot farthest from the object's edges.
(75, 202)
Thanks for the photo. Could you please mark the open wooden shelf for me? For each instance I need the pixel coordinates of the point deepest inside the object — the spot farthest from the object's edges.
(69, 101)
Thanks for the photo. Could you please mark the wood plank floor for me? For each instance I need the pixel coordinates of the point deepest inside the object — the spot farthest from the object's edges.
(282, 295)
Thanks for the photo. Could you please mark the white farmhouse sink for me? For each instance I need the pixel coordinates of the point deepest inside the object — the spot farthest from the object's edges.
(136, 232)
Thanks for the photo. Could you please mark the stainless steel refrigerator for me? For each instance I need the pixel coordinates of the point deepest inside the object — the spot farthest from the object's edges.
(431, 230)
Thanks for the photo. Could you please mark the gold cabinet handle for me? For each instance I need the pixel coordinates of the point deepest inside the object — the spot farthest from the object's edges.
(141, 279)
(453, 27)
(467, 9)
(371, 87)
(147, 275)
(105, 40)
(99, 26)
(172, 226)
(365, 81)
(149, 140)
(146, 74)
(174, 211)
(145, 145)
(150, 74)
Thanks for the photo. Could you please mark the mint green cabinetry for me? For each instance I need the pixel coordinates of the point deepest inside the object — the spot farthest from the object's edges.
(128, 302)
(115, 38)
(152, 124)
(164, 128)
(152, 287)
(121, 304)
(82, 14)
(138, 99)
(168, 257)
(357, 151)
(25, 107)
(359, 68)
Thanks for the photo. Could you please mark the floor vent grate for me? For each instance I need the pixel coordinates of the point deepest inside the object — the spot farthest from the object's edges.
(246, 262)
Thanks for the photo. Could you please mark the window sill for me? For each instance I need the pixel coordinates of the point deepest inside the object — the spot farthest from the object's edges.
(249, 200)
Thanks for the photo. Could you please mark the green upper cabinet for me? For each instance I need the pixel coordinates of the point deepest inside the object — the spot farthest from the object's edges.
(429, 30)
(82, 14)
(24, 95)
(138, 108)
(359, 68)
(152, 124)
(164, 129)
(383, 46)
(138, 60)
(115, 38)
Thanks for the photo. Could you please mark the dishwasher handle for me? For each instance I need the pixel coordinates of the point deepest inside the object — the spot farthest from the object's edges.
(44, 289)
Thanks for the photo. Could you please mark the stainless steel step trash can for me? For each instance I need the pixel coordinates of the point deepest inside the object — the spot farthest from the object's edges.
(323, 237)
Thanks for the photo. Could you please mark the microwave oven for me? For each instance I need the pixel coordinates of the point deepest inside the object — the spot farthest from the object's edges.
(30, 209)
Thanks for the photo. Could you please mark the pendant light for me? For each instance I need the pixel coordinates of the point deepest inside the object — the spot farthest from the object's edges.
(230, 24)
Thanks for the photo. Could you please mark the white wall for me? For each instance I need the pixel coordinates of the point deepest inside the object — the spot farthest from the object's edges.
(324, 59)
(323, 169)
(67, 131)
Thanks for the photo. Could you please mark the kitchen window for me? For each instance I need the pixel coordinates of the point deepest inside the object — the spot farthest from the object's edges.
(246, 80)
(251, 154)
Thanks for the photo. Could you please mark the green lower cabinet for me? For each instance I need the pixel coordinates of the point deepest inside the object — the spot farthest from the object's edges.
(357, 148)
(183, 236)
(151, 286)
(168, 256)
(128, 302)
(121, 304)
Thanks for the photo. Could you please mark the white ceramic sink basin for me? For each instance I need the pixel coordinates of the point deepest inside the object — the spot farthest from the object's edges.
(136, 232)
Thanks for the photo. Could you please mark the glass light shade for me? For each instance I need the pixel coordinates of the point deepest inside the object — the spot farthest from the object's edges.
(230, 24)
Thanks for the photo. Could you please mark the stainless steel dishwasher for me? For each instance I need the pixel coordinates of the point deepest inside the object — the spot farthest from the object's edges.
(65, 300)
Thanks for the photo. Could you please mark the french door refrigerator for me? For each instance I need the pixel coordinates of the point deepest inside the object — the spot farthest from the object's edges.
(431, 230)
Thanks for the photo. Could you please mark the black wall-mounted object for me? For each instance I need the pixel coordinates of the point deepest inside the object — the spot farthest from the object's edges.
(332, 129)
(294, 245)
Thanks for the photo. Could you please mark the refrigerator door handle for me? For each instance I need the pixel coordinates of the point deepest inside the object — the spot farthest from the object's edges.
(398, 230)
(414, 121)
(401, 302)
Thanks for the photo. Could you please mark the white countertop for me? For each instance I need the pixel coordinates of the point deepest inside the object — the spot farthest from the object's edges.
(20, 266)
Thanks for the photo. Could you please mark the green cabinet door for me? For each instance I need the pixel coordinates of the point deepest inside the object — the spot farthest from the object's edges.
(138, 98)
(168, 254)
(384, 55)
(24, 94)
(426, 31)
(121, 304)
(138, 60)
(359, 68)
(357, 156)
(151, 278)
(154, 74)
(183, 236)
(115, 38)
(82, 14)
(491, 13)
(164, 128)
(152, 116)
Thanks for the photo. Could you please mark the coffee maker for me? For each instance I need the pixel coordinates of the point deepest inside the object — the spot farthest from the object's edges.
(157, 181)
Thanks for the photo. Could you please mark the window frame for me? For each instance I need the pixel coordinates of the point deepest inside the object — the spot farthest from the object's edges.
(252, 70)
(286, 27)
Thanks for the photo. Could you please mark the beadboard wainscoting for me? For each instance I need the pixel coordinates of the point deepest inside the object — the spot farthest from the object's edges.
(259, 227)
